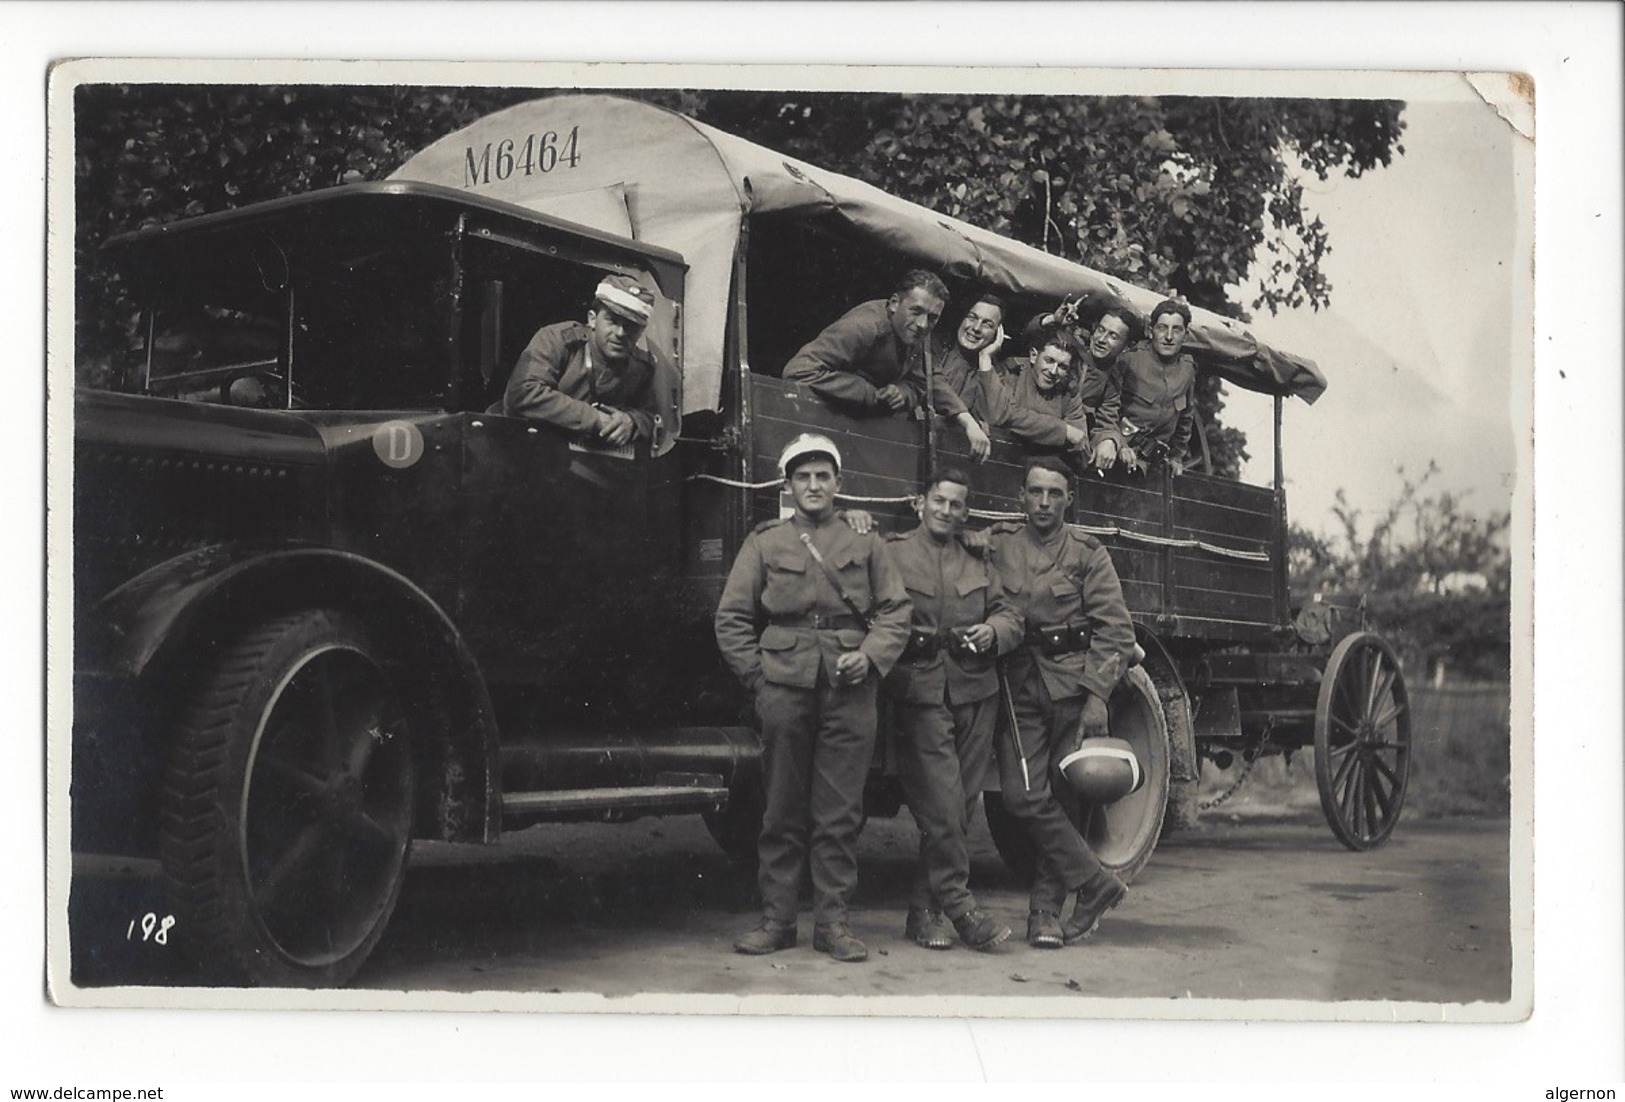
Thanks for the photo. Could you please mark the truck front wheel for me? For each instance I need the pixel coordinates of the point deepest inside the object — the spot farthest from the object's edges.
(287, 804)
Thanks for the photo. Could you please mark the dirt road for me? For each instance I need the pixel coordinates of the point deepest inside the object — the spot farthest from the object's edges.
(1261, 909)
(1265, 907)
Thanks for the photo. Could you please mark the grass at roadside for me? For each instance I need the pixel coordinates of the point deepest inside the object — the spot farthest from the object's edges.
(1460, 762)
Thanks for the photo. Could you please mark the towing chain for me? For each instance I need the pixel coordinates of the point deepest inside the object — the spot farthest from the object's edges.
(1246, 768)
(1259, 751)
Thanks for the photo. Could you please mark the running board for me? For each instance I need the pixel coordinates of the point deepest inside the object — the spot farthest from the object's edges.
(641, 799)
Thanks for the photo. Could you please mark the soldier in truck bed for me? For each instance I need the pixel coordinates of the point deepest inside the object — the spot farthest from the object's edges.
(957, 381)
(1159, 389)
(1077, 643)
(594, 378)
(1099, 368)
(870, 360)
(1037, 400)
(812, 616)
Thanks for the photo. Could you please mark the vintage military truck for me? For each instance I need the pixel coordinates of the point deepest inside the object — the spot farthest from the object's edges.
(326, 603)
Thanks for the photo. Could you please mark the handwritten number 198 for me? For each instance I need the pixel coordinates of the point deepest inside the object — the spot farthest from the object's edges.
(153, 928)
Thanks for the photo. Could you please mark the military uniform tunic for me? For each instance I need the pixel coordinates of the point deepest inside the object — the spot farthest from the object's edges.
(1016, 405)
(818, 733)
(1100, 389)
(944, 704)
(855, 356)
(1159, 399)
(956, 384)
(1066, 579)
(557, 380)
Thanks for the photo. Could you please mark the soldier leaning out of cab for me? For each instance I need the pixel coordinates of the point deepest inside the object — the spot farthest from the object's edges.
(595, 379)
(813, 615)
(945, 695)
(870, 361)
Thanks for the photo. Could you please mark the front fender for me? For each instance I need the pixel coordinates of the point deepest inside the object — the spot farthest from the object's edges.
(172, 612)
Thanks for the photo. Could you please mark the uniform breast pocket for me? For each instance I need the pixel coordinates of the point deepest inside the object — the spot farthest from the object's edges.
(853, 569)
(968, 586)
(785, 587)
(787, 563)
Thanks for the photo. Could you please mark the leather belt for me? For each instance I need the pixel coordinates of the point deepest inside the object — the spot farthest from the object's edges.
(820, 621)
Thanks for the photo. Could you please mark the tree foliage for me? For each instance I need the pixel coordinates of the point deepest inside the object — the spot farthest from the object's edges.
(1435, 577)
(1189, 195)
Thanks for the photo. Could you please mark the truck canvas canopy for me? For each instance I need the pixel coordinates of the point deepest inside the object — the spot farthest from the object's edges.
(645, 172)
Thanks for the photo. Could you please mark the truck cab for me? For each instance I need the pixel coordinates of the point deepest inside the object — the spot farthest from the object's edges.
(295, 492)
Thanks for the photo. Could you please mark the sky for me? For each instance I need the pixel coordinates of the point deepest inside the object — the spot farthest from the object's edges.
(1417, 344)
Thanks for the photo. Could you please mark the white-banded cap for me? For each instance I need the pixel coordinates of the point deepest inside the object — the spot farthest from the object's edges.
(808, 443)
(627, 297)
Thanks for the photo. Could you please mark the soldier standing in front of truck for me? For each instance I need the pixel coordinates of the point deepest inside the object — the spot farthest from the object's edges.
(871, 360)
(593, 378)
(1159, 390)
(813, 615)
(945, 694)
(1078, 641)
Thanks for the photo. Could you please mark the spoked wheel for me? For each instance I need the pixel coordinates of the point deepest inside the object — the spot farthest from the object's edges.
(1362, 741)
(288, 805)
(1122, 833)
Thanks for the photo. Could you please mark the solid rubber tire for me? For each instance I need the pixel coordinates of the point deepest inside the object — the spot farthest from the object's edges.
(224, 792)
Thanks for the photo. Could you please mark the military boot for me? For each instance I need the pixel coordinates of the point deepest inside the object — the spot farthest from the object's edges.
(769, 937)
(979, 931)
(1099, 894)
(836, 939)
(1044, 930)
(928, 930)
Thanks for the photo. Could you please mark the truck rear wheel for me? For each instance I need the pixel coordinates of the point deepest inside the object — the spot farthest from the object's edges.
(1362, 741)
(1123, 833)
(287, 805)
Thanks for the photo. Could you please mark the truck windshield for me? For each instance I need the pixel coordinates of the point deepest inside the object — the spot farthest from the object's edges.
(369, 330)
(199, 348)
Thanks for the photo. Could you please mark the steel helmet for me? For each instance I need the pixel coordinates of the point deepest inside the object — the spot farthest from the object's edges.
(1102, 770)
